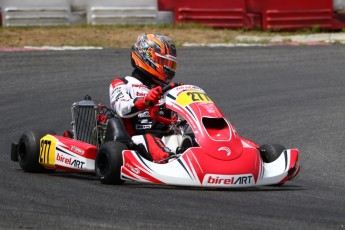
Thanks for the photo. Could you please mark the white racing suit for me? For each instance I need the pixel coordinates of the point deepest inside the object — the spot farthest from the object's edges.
(123, 93)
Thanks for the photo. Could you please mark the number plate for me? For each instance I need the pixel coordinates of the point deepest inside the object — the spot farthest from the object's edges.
(47, 150)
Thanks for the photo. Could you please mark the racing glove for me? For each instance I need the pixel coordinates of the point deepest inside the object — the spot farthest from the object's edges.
(151, 98)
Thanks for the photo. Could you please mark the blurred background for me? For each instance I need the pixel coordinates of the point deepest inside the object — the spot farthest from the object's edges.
(250, 14)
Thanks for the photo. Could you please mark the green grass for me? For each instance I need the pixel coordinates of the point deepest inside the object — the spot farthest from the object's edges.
(121, 36)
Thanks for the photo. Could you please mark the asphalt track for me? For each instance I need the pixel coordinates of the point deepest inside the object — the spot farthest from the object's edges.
(289, 95)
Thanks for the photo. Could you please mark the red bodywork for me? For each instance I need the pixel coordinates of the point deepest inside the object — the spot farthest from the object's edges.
(221, 159)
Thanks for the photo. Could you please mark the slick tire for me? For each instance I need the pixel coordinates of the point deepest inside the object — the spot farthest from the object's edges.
(109, 161)
(271, 152)
(28, 150)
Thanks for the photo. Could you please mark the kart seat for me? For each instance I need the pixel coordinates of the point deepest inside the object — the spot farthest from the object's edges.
(116, 131)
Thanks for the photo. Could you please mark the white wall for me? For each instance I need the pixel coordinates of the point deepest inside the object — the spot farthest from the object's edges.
(339, 5)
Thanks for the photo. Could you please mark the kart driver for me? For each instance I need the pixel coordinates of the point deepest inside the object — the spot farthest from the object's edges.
(153, 57)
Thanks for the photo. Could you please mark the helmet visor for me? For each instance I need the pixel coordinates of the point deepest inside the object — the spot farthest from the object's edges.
(166, 61)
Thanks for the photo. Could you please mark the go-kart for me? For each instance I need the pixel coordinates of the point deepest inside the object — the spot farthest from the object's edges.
(208, 152)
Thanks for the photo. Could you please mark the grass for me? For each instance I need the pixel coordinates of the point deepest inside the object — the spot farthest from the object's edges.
(123, 36)
(107, 36)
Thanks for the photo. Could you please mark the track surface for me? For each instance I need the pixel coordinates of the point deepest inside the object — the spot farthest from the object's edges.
(289, 95)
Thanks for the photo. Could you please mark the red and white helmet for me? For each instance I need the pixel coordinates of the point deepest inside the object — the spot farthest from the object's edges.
(156, 55)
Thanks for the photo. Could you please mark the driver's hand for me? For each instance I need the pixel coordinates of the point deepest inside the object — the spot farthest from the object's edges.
(153, 96)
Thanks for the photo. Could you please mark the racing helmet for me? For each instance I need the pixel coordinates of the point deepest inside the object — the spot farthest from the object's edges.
(155, 55)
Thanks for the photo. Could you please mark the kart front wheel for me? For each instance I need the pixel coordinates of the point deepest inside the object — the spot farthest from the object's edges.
(271, 152)
(28, 150)
(109, 161)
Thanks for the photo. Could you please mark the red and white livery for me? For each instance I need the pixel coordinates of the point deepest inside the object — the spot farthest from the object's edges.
(209, 151)
(221, 158)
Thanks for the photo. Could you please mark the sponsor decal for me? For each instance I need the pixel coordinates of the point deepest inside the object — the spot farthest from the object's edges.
(226, 149)
(187, 87)
(144, 114)
(77, 150)
(70, 161)
(143, 126)
(133, 169)
(228, 180)
(139, 85)
(140, 94)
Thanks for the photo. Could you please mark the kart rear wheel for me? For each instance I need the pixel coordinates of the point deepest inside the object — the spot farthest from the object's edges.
(28, 150)
(109, 161)
(271, 152)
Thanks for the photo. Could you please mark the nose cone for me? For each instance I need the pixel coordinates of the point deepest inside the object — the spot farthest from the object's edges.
(219, 139)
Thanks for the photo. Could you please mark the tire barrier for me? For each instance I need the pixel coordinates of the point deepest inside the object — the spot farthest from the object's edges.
(251, 14)
(35, 13)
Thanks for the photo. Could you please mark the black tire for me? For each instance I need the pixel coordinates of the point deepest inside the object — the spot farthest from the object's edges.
(109, 161)
(271, 152)
(28, 150)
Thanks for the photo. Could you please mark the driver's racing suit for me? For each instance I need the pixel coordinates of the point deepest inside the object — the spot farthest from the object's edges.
(123, 94)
